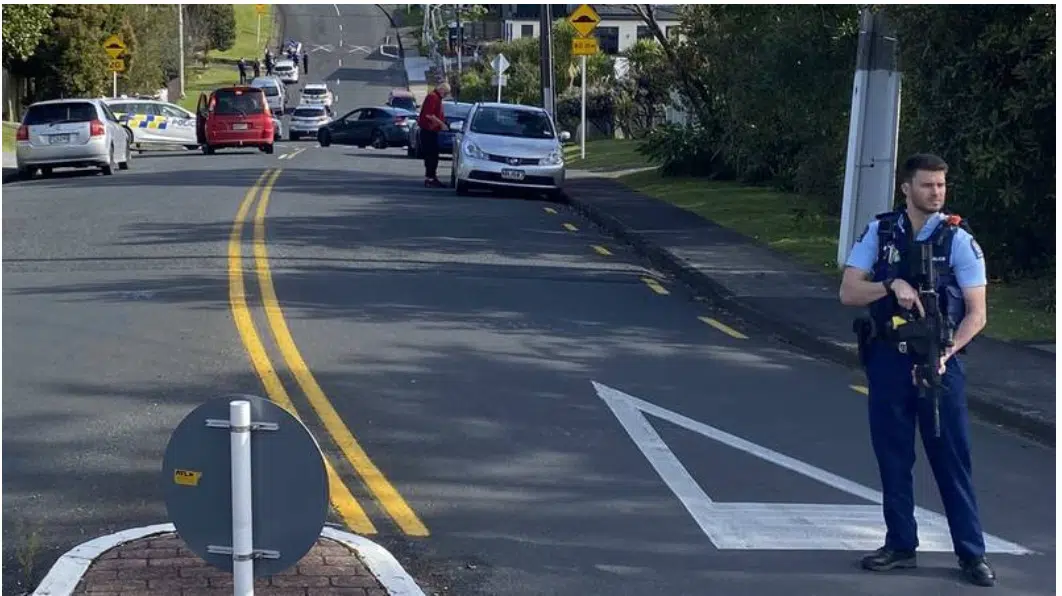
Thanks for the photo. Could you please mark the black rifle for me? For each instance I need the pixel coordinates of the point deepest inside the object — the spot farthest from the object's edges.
(937, 336)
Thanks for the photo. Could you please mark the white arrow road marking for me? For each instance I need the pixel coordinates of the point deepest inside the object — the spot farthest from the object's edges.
(363, 49)
(773, 526)
(322, 48)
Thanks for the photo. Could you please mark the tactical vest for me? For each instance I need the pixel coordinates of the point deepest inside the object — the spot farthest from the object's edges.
(892, 236)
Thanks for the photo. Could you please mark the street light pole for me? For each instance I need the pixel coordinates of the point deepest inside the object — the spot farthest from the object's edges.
(180, 46)
(545, 36)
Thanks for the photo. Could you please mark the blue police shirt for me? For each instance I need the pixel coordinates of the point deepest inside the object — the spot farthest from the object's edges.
(967, 259)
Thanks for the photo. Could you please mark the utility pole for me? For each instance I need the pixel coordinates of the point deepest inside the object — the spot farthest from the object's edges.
(545, 36)
(180, 46)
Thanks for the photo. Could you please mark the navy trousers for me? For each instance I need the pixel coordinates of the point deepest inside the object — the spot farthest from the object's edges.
(894, 410)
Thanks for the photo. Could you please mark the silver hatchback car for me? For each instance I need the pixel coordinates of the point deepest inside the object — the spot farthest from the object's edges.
(508, 145)
(71, 133)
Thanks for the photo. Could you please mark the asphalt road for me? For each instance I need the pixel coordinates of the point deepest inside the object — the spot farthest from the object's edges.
(458, 340)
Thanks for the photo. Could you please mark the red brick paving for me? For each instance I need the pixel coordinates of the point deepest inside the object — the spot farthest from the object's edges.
(162, 565)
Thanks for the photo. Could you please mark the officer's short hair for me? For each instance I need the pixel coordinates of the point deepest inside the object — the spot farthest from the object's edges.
(926, 162)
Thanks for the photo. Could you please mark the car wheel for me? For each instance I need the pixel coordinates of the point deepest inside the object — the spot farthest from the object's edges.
(461, 188)
(268, 149)
(124, 165)
(207, 149)
(108, 168)
(292, 136)
(324, 138)
(26, 173)
(378, 140)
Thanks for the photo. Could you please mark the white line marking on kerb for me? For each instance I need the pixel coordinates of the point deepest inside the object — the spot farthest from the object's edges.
(336, 6)
(341, 26)
(66, 573)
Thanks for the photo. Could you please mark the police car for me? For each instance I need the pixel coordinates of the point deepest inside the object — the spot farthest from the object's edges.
(155, 122)
(316, 94)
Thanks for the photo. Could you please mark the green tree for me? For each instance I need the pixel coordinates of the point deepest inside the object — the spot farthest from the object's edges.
(23, 27)
(70, 59)
(211, 26)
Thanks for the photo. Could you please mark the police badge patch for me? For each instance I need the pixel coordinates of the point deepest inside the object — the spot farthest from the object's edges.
(976, 249)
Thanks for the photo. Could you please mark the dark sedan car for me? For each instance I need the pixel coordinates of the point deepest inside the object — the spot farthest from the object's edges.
(453, 112)
(381, 127)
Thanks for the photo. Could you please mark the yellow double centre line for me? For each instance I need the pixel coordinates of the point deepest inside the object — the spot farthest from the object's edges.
(343, 500)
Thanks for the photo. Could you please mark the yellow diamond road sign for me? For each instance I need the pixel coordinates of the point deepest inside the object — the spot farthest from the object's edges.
(114, 46)
(261, 8)
(584, 19)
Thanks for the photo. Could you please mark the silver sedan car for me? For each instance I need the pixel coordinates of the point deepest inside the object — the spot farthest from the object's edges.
(508, 145)
(71, 133)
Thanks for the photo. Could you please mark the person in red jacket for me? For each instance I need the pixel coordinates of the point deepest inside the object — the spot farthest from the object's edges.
(431, 122)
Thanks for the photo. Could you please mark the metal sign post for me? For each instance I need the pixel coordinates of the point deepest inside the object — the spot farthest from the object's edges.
(584, 20)
(258, 511)
(500, 64)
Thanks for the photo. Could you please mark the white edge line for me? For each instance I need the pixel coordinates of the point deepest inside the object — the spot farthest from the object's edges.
(336, 6)
(381, 563)
(66, 573)
(64, 576)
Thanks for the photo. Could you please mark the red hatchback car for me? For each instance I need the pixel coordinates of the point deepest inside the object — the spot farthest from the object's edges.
(234, 117)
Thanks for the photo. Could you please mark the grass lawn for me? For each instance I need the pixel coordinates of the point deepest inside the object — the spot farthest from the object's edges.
(770, 217)
(608, 155)
(220, 68)
(9, 129)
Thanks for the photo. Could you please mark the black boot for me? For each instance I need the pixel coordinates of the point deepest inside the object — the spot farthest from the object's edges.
(886, 558)
(978, 572)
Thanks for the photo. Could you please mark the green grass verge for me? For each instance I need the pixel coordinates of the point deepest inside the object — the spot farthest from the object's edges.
(604, 155)
(220, 66)
(9, 129)
(775, 219)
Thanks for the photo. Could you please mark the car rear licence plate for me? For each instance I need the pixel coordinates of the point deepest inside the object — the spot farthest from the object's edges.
(510, 174)
(239, 126)
(58, 139)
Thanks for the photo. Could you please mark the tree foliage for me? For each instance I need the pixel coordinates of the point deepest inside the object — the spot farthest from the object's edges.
(772, 95)
(23, 27)
(211, 26)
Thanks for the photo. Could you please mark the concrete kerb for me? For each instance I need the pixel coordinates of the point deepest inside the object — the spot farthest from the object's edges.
(62, 579)
(995, 409)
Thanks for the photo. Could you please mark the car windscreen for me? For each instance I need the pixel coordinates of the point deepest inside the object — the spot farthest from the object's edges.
(242, 103)
(284, 67)
(314, 91)
(455, 113)
(52, 113)
(509, 122)
(406, 103)
(308, 113)
(270, 90)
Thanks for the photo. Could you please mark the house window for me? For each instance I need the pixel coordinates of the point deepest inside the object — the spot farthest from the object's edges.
(672, 32)
(608, 39)
(527, 30)
(644, 33)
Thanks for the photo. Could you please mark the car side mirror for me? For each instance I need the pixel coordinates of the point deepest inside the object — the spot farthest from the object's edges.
(565, 136)
(456, 126)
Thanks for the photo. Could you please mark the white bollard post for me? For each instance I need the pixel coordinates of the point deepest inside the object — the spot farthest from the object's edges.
(242, 538)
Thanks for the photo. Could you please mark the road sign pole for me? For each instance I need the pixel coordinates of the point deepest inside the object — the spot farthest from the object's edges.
(258, 33)
(582, 110)
(242, 537)
(114, 83)
(499, 87)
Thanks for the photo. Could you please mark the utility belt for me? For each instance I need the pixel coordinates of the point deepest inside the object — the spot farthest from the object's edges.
(905, 333)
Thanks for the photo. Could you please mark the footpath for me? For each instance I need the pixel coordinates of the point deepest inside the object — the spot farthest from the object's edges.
(1008, 384)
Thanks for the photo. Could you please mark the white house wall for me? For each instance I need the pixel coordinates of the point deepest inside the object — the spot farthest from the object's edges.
(628, 30)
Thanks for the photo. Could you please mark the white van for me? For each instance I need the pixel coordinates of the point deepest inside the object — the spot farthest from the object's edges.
(275, 92)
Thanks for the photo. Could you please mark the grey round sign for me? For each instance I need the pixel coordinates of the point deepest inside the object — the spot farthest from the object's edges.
(288, 478)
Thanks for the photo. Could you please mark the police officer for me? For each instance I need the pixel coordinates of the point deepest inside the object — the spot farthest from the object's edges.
(879, 275)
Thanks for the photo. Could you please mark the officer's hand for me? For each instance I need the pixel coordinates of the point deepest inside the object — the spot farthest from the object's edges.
(907, 296)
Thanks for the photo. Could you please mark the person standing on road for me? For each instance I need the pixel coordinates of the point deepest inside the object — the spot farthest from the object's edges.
(305, 63)
(256, 67)
(242, 66)
(879, 274)
(431, 122)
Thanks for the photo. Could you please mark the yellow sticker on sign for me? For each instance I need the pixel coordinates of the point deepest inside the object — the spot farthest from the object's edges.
(186, 477)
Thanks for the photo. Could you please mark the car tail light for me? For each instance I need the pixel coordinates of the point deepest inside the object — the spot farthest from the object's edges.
(23, 133)
(400, 119)
(96, 128)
